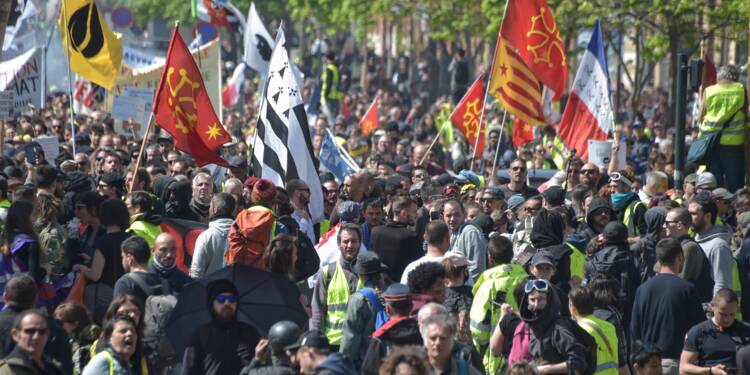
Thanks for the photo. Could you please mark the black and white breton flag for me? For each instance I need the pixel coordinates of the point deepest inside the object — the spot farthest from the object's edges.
(282, 148)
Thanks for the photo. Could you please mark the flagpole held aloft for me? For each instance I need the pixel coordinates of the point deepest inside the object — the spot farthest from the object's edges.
(70, 80)
(140, 153)
(437, 136)
(497, 149)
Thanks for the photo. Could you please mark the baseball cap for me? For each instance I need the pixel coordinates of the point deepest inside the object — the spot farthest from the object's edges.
(706, 180)
(691, 178)
(311, 339)
(541, 258)
(515, 201)
(722, 193)
(397, 292)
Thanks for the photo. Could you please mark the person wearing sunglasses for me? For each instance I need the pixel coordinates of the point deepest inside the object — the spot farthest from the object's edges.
(30, 334)
(517, 183)
(224, 345)
(630, 210)
(697, 268)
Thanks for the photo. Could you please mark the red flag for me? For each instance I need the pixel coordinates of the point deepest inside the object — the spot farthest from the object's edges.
(467, 114)
(709, 72)
(182, 107)
(369, 121)
(217, 13)
(529, 25)
(522, 132)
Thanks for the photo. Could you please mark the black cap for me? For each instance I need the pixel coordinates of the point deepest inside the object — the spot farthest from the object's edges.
(368, 263)
(164, 138)
(311, 339)
(541, 258)
(397, 292)
(113, 178)
(554, 195)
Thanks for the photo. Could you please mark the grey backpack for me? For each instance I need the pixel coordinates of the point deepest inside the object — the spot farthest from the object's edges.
(156, 345)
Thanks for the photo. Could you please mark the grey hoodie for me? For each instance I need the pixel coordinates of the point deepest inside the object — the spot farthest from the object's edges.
(208, 256)
(715, 244)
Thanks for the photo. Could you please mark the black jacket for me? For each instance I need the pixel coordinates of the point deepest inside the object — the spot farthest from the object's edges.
(392, 334)
(644, 251)
(336, 364)
(220, 347)
(308, 261)
(174, 276)
(57, 348)
(20, 363)
(278, 366)
(397, 246)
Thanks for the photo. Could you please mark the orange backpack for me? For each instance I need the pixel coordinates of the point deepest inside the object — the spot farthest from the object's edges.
(249, 236)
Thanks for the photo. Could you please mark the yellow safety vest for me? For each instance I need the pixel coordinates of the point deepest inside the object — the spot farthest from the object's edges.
(503, 278)
(577, 261)
(333, 92)
(111, 360)
(725, 102)
(145, 230)
(4, 203)
(557, 152)
(604, 333)
(325, 226)
(630, 214)
(337, 298)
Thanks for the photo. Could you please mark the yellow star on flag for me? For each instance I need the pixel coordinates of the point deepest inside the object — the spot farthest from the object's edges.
(213, 131)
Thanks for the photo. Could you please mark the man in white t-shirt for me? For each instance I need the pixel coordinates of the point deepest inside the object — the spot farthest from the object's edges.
(438, 238)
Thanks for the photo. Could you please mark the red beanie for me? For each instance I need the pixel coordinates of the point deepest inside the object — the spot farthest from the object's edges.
(263, 192)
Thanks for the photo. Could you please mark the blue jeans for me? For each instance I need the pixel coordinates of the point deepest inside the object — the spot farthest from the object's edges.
(727, 163)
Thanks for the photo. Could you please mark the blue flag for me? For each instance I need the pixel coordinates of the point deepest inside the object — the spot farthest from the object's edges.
(334, 158)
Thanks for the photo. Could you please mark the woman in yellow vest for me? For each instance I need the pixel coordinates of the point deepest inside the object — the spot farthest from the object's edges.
(121, 337)
(725, 110)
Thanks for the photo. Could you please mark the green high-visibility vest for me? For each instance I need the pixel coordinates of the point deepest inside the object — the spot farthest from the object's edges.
(484, 315)
(628, 219)
(145, 230)
(577, 261)
(333, 92)
(605, 335)
(725, 102)
(337, 298)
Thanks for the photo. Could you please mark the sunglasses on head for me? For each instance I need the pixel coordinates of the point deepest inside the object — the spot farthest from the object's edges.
(619, 177)
(540, 285)
(224, 299)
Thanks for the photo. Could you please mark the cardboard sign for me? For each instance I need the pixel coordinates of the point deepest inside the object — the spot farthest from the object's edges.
(22, 75)
(600, 153)
(50, 145)
(7, 105)
(133, 109)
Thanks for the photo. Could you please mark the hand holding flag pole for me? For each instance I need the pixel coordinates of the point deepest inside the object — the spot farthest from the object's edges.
(497, 148)
(141, 155)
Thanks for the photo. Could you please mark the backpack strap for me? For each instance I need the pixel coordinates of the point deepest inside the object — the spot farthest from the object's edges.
(370, 295)
(140, 279)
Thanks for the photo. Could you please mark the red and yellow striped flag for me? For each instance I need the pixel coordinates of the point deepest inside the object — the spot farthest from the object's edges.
(515, 85)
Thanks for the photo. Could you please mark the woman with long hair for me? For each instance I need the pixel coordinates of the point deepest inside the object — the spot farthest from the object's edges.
(20, 244)
(106, 265)
(129, 306)
(281, 255)
(121, 338)
(82, 333)
(52, 235)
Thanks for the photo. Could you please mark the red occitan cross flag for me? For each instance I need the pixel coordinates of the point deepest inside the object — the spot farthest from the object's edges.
(467, 114)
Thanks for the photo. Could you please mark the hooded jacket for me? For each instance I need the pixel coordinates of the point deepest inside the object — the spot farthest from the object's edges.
(220, 346)
(177, 202)
(336, 364)
(715, 244)
(547, 236)
(553, 340)
(209, 248)
(588, 231)
(644, 251)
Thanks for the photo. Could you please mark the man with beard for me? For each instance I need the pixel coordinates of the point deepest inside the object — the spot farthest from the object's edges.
(373, 212)
(164, 256)
(30, 333)
(299, 195)
(697, 269)
(224, 345)
(203, 188)
(715, 244)
(591, 176)
(517, 183)
(335, 283)
(598, 215)
(395, 242)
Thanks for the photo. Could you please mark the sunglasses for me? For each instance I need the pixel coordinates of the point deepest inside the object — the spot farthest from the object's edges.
(515, 169)
(222, 299)
(486, 200)
(667, 222)
(589, 171)
(530, 209)
(32, 331)
(537, 284)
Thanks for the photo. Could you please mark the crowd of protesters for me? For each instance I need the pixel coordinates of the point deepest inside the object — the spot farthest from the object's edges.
(425, 263)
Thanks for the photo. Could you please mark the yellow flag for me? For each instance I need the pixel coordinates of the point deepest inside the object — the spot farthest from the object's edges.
(94, 51)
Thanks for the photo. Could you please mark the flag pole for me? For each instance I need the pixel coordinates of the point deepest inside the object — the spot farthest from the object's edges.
(437, 136)
(481, 125)
(70, 78)
(141, 155)
(497, 149)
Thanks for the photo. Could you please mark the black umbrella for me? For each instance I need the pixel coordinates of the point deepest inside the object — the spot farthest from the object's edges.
(264, 299)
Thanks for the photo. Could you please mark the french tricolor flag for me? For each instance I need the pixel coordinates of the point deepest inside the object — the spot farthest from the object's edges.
(230, 95)
(588, 113)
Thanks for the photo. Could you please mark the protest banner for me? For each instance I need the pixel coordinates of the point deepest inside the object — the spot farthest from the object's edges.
(88, 97)
(600, 152)
(207, 58)
(138, 59)
(50, 145)
(7, 104)
(22, 75)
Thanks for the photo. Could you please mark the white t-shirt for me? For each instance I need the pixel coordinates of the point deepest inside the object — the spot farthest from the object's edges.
(414, 264)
